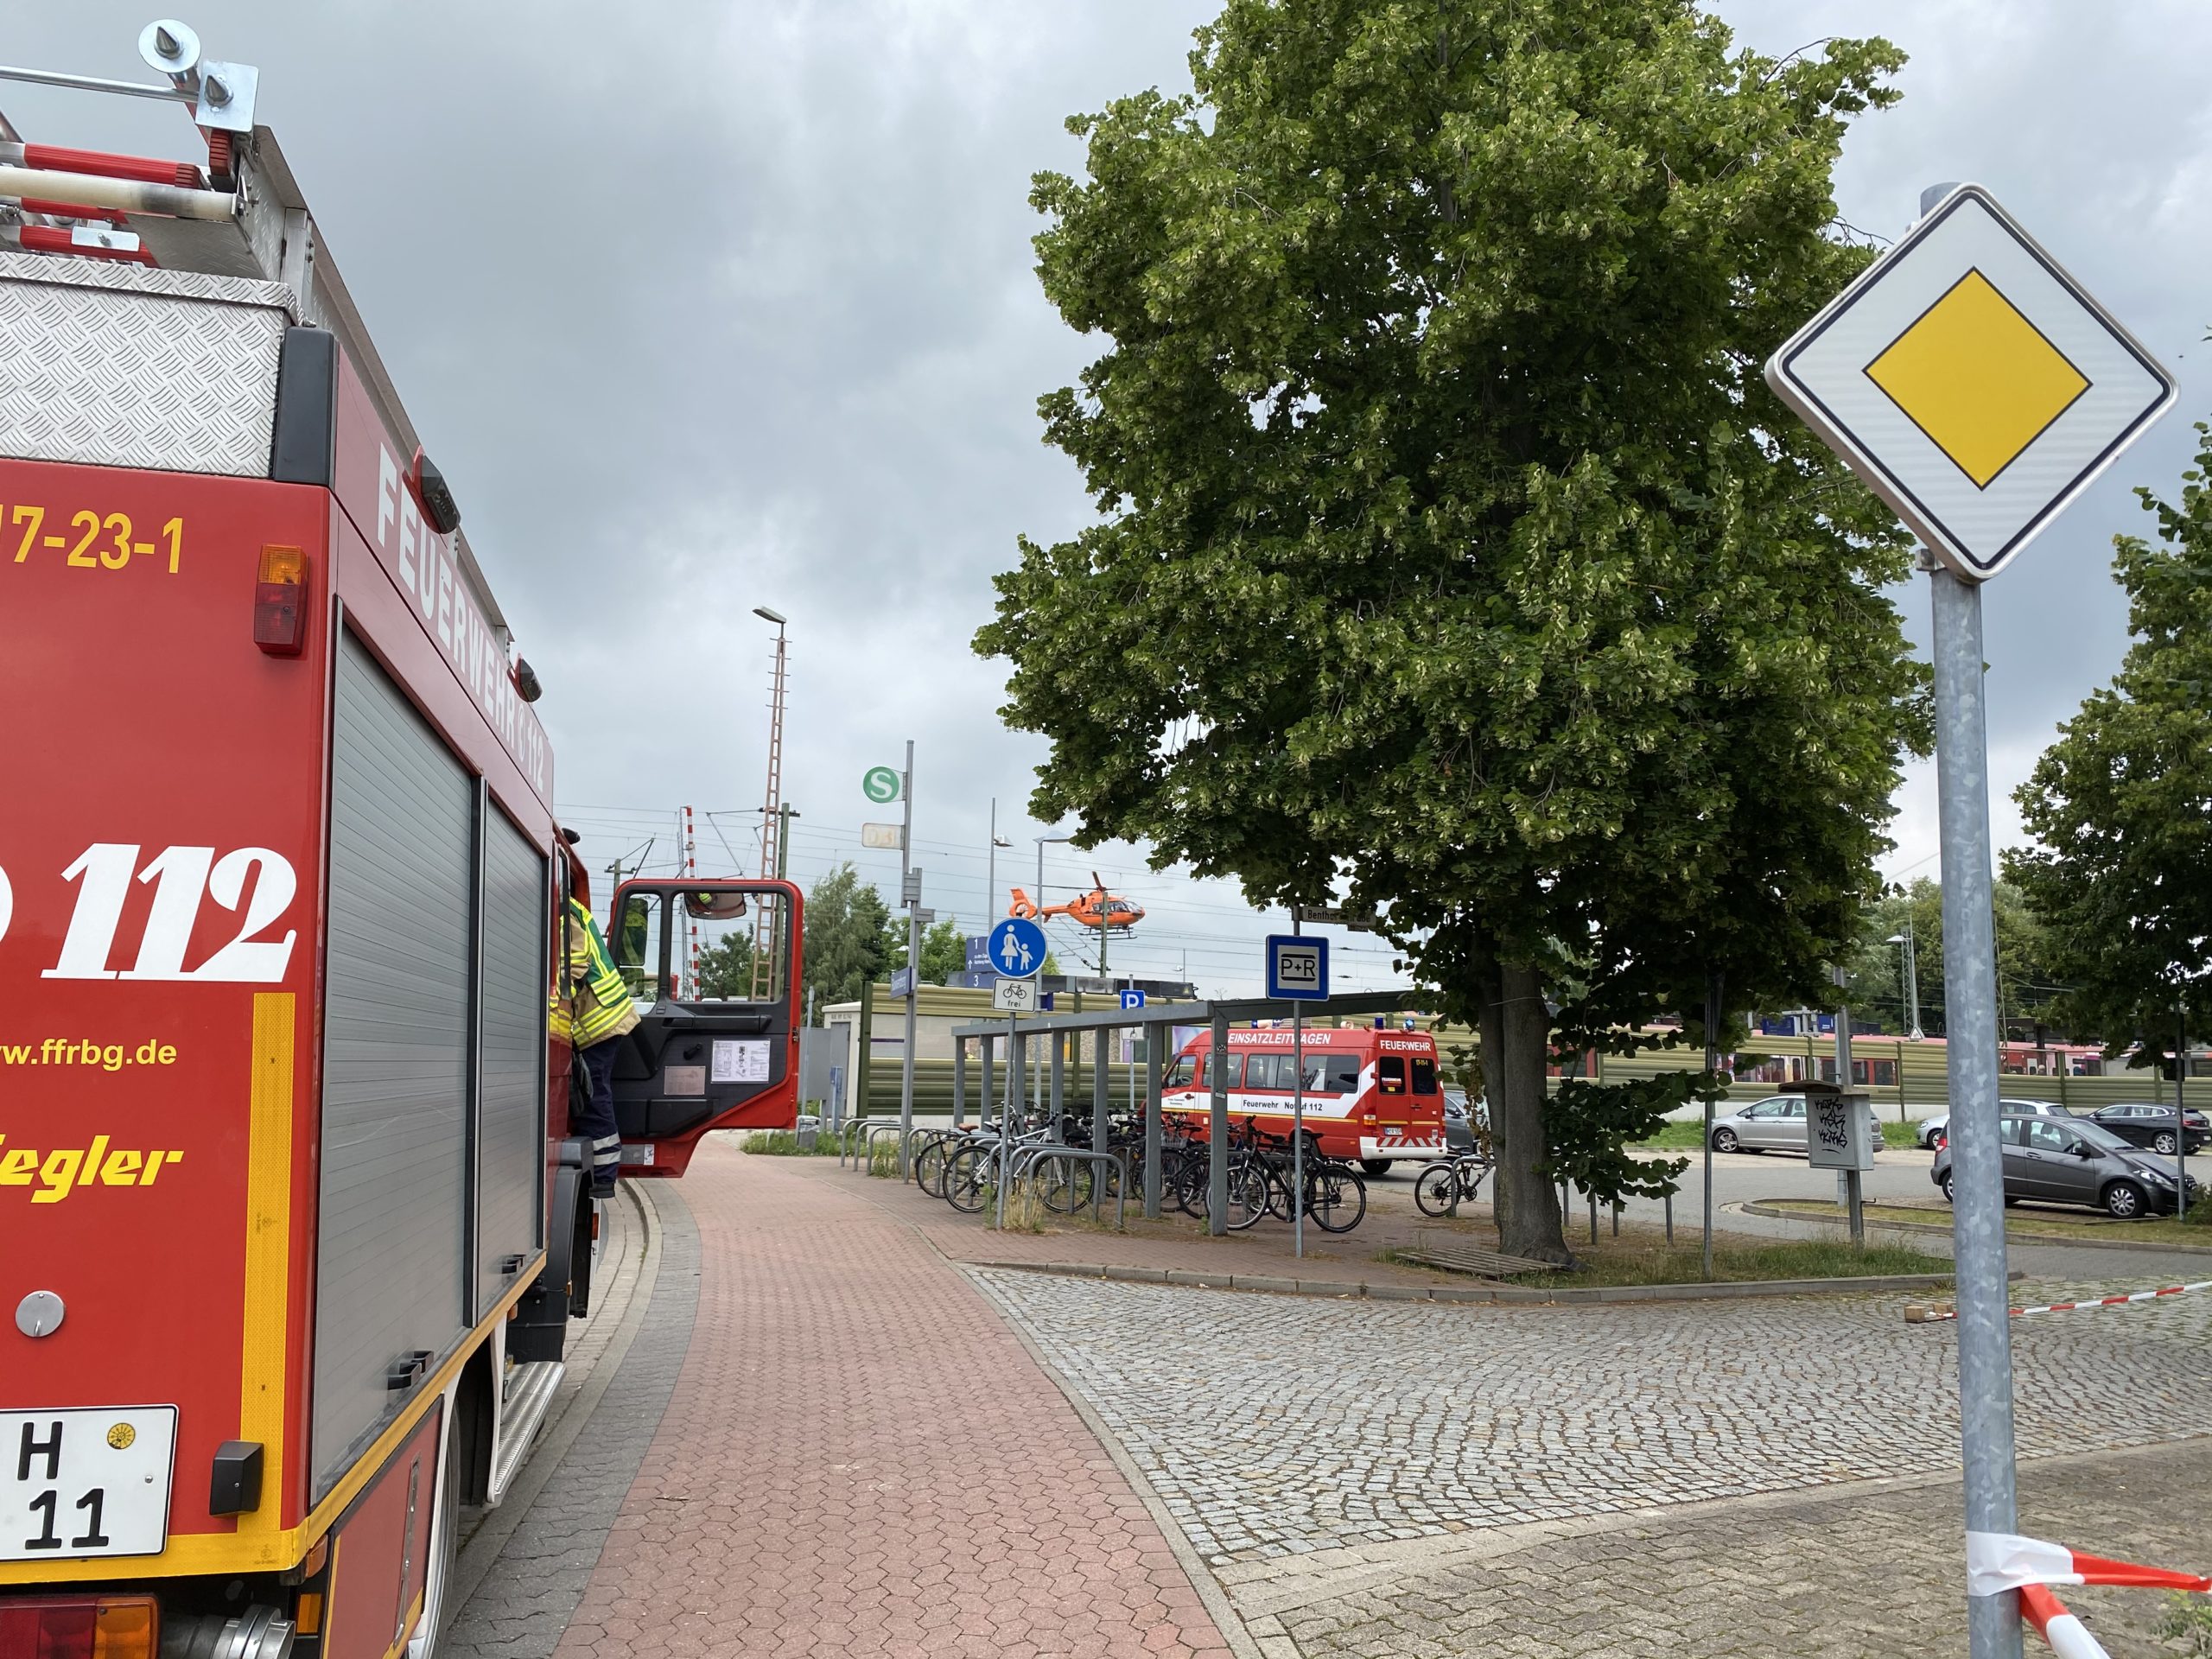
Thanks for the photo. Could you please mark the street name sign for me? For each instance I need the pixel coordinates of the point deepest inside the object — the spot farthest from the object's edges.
(1971, 382)
(1298, 967)
(1017, 948)
(1015, 996)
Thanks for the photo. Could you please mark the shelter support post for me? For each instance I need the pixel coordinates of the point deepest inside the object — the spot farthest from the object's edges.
(1217, 1130)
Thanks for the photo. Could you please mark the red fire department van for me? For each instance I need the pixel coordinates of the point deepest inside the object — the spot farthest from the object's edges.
(291, 1227)
(1371, 1094)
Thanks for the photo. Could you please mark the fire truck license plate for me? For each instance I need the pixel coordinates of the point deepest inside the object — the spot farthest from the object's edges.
(84, 1483)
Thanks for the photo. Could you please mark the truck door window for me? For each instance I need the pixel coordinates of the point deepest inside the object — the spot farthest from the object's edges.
(744, 945)
(1424, 1075)
(1390, 1074)
(636, 943)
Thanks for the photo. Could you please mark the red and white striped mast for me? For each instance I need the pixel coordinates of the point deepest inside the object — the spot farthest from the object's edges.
(689, 988)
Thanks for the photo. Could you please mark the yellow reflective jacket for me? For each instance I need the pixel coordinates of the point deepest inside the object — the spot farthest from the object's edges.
(594, 1005)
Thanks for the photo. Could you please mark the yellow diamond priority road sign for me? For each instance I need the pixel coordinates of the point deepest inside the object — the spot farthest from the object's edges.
(1971, 382)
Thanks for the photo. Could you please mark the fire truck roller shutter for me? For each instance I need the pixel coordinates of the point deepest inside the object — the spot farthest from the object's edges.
(511, 1129)
(391, 1276)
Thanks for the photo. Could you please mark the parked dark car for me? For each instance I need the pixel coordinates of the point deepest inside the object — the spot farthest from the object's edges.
(1459, 1126)
(1932, 1130)
(2048, 1160)
(2145, 1123)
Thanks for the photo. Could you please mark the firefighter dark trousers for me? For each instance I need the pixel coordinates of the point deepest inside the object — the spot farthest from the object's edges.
(595, 1117)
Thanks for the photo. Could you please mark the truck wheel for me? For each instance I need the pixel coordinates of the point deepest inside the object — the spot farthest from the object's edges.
(1376, 1168)
(438, 1608)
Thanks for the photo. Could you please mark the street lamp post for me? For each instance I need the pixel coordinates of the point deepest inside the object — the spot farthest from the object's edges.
(991, 869)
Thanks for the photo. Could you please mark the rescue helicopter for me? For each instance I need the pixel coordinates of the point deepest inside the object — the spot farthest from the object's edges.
(1098, 908)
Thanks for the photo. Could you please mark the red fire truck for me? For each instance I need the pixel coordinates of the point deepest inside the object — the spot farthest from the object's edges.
(291, 1227)
(1371, 1094)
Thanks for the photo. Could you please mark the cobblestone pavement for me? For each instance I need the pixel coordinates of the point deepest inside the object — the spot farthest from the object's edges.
(1274, 1427)
(1872, 1572)
(857, 1456)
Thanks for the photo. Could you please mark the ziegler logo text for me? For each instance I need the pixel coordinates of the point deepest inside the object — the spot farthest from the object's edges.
(71, 1169)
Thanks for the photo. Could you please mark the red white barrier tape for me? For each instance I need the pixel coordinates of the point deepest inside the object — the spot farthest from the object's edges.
(2005, 1560)
(2065, 1635)
(1916, 1314)
(1996, 1561)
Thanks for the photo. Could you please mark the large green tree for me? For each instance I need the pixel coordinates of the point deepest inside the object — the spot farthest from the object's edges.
(2028, 988)
(944, 949)
(1451, 547)
(2120, 807)
(846, 946)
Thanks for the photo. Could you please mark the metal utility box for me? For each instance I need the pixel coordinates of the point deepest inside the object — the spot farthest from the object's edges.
(1839, 1132)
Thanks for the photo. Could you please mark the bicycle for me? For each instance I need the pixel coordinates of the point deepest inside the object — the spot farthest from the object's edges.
(1446, 1184)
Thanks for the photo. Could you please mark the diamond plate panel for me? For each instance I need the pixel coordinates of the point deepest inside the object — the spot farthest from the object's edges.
(172, 370)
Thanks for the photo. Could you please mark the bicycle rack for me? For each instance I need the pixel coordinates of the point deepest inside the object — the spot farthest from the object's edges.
(1025, 1158)
(845, 1132)
(875, 1132)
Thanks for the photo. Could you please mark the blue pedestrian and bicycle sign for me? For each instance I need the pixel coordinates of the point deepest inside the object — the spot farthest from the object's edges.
(1017, 947)
(1298, 967)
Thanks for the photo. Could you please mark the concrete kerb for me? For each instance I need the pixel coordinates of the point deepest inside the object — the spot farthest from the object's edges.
(482, 1551)
(1342, 1289)
(1750, 1207)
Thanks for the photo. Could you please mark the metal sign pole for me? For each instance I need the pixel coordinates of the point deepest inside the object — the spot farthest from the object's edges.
(1977, 1166)
(2181, 1112)
(1712, 1065)
(1014, 1058)
(1217, 1128)
(914, 956)
(1297, 1117)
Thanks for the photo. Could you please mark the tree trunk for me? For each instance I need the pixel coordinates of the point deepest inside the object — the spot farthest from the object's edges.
(1517, 1031)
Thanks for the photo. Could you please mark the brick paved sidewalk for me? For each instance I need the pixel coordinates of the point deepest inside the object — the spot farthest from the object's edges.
(1176, 1241)
(858, 1457)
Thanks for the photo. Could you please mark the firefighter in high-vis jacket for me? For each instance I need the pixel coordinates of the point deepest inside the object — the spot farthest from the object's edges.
(595, 1007)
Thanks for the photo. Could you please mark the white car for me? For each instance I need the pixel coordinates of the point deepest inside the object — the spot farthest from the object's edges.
(1933, 1127)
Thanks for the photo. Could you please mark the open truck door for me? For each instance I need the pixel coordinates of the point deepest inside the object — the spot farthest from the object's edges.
(714, 966)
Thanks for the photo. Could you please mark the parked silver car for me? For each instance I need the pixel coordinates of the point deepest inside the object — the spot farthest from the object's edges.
(1932, 1129)
(1774, 1124)
(2077, 1162)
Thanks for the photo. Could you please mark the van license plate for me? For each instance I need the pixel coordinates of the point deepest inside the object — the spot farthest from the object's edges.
(74, 1483)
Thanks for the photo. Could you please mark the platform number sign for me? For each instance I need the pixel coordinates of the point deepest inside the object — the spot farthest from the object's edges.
(1298, 967)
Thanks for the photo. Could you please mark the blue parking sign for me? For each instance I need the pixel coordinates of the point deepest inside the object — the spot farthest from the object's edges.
(1132, 999)
(1017, 947)
(1298, 967)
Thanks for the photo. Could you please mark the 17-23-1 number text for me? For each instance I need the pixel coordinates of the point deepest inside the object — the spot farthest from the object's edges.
(93, 541)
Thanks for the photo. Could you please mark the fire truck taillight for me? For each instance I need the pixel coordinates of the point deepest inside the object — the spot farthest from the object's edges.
(280, 602)
(80, 1627)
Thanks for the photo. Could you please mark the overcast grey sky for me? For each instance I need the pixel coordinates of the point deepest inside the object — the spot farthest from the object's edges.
(708, 306)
